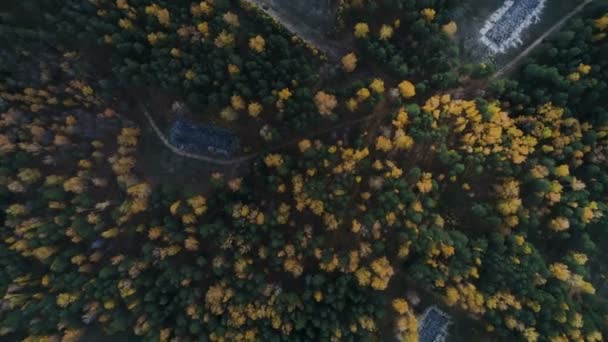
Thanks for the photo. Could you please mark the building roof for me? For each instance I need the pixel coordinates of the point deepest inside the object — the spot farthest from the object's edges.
(433, 325)
(505, 26)
(202, 139)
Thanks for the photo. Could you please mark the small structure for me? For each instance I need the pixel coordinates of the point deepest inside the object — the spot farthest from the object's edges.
(203, 139)
(433, 325)
(504, 27)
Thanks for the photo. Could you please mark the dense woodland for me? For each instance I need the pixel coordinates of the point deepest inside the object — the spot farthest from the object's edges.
(491, 204)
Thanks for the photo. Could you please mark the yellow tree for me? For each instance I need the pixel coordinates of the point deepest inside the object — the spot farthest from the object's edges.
(602, 23)
(450, 28)
(325, 102)
(257, 44)
(361, 30)
(254, 109)
(349, 62)
(428, 14)
(407, 89)
(386, 32)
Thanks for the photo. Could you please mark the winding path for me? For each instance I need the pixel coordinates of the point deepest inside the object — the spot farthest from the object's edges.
(540, 39)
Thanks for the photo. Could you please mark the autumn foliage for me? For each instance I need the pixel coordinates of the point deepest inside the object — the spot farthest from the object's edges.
(492, 207)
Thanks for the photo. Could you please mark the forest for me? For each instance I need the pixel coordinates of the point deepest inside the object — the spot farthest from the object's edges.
(398, 167)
